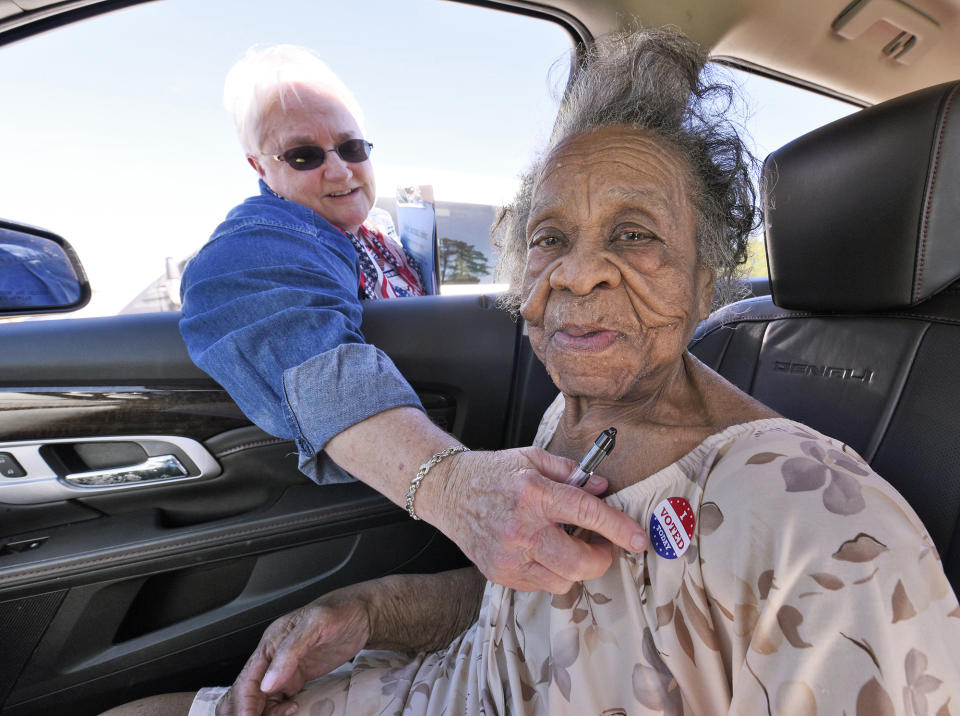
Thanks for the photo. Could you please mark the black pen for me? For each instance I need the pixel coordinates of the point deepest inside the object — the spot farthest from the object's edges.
(602, 447)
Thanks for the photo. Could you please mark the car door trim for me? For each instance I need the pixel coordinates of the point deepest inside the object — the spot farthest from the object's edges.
(42, 483)
(94, 546)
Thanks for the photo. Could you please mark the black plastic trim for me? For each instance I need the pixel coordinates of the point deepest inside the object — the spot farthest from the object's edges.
(33, 22)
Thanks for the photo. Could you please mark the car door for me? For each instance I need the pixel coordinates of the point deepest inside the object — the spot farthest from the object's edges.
(126, 587)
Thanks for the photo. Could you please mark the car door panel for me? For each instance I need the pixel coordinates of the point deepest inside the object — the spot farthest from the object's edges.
(174, 583)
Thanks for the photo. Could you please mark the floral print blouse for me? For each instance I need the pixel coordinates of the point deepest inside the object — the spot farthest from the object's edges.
(797, 582)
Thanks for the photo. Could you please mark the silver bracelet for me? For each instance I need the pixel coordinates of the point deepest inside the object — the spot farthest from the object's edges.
(424, 469)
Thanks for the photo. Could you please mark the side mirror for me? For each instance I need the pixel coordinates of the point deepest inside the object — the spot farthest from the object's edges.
(39, 272)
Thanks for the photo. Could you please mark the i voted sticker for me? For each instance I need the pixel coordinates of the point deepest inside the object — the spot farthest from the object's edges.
(671, 527)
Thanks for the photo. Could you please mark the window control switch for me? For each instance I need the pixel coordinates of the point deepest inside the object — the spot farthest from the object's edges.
(9, 467)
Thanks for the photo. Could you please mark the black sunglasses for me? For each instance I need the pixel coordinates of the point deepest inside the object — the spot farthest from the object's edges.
(311, 156)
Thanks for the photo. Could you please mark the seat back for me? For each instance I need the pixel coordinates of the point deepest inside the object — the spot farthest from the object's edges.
(860, 338)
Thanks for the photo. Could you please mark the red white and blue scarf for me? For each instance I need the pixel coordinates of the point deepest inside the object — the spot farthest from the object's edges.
(387, 270)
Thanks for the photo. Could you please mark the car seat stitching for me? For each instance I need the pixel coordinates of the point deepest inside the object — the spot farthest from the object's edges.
(785, 316)
(756, 359)
(894, 396)
(251, 444)
(923, 316)
(929, 200)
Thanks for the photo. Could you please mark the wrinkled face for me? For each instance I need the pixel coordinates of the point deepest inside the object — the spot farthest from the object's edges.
(612, 290)
(341, 192)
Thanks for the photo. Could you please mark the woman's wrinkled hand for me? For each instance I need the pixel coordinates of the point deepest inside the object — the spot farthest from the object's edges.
(505, 510)
(298, 647)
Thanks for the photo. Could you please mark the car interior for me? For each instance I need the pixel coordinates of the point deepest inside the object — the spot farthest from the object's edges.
(112, 589)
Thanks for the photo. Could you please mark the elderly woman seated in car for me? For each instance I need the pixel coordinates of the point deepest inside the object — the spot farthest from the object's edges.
(783, 575)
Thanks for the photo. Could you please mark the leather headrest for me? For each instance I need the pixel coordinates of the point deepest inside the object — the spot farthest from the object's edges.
(864, 213)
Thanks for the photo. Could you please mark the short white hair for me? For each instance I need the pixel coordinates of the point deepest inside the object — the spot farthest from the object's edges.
(270, 73)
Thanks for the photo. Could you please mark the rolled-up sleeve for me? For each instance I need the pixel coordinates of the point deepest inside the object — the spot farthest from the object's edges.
(270, 311)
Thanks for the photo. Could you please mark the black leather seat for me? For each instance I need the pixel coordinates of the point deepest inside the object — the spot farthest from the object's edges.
(860, 338)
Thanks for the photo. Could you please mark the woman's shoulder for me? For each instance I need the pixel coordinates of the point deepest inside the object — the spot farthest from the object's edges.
(778, 473)
(813, 562)
(270, 212)
(760, 439)
(779, 449)
(266, 230)
(763, 441)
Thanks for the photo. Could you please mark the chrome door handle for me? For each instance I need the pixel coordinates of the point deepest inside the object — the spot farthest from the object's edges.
(153, 469)
(168, 460)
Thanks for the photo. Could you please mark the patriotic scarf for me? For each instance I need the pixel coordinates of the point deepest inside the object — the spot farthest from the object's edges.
(387, 270)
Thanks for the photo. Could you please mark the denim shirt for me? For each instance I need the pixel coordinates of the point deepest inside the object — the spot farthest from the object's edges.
(271, 312)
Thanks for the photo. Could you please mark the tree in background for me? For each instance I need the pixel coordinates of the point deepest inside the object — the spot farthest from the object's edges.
(461, 262)
(756, 258)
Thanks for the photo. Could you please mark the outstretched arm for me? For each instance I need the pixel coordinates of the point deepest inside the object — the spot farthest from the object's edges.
(503, 509)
